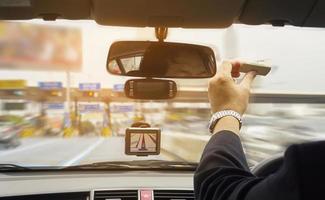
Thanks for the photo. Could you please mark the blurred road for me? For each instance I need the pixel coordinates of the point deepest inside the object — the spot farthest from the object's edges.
(69, 151)
(262, 137)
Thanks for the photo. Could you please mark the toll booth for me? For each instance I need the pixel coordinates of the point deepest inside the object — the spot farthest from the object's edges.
(51, 116)
(123, 114)
(13, 97)
(14, 103)
(92, 115)
(51, 91)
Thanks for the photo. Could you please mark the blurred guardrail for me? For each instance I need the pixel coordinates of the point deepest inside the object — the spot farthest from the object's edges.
(188, 147)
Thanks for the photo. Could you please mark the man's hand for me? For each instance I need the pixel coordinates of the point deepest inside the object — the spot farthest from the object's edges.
(225, 94)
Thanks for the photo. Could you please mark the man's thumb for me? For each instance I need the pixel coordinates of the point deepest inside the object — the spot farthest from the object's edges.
(248, 79)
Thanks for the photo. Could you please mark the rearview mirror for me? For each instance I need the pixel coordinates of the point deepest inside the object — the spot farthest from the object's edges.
(161, 60)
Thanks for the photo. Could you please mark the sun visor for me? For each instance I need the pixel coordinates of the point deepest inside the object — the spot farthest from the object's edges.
(47, 9)
(317, 16)
(169, 13)
(277, 12)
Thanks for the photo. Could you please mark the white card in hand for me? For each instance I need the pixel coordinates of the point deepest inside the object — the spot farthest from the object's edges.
(261, 69)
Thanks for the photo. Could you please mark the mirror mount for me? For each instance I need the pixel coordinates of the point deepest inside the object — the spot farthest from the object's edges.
(161, 33)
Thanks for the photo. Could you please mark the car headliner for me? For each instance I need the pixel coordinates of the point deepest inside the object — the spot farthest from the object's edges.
(171, 13)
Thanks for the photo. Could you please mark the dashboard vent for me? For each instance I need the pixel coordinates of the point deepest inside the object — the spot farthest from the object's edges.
(173, 194)
(116, 195)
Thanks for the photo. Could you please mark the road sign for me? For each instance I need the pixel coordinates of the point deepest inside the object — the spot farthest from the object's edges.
(89, 107)
(118, 87)
(12, 84)
(50, 85)
(54, 106)
(122, 108)
(89, 86)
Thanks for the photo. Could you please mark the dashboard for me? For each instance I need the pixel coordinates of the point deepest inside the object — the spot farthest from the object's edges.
(97, 185)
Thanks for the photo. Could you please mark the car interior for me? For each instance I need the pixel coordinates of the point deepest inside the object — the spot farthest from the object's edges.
(148, 160)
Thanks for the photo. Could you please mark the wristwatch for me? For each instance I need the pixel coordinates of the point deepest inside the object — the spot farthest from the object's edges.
(218, 115)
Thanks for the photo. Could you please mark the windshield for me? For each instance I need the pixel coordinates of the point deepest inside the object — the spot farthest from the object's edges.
(60, 107)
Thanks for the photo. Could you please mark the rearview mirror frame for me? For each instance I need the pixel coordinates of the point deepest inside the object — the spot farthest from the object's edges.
(209, 66)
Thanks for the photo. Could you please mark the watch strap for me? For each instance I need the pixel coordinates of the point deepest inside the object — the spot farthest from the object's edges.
(218, 115)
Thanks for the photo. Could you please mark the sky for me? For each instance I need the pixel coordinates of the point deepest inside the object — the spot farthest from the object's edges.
(296, 54)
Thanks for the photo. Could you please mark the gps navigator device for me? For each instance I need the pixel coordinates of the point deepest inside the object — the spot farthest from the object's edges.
(142, 141)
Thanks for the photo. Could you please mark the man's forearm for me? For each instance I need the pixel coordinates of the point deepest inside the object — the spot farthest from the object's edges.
(222, 168)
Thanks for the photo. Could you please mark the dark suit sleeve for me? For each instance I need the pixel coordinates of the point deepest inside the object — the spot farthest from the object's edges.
(223, 174)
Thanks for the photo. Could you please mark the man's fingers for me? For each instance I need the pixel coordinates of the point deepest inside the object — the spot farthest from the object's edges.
(226, 68)
(248, 79)
(235, 74)
(230, 69)
(235, 66)
(235, 69)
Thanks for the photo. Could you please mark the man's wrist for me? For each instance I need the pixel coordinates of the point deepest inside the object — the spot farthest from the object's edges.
(228, 123)
(221, 114)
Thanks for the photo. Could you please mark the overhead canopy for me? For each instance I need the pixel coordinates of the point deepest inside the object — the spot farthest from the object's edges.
(171, 13)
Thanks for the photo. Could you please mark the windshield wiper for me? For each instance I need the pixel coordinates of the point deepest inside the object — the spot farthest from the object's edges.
(19, 168)
(13, 167)
(114, 165)
(139, 165)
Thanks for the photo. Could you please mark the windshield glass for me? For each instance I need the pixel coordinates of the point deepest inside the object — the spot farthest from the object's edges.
(60, 107)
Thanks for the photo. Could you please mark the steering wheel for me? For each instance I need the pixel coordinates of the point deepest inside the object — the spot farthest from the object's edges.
(268, 166)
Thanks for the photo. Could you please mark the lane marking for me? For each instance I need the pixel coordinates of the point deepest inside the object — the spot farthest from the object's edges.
(152, 138)
(29, 147)
(139, 139)
(80, 156)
